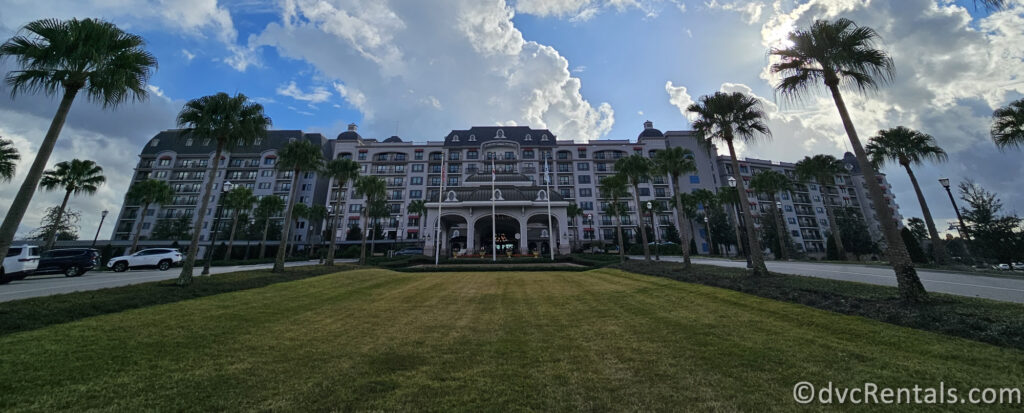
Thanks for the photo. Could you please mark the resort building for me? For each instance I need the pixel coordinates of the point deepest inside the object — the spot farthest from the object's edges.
(457, 172)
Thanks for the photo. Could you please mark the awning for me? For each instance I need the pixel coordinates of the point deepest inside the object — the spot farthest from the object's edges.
(412, 230)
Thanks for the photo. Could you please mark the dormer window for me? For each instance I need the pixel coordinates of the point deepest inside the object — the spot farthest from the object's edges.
(206, 142)
(154, 142)
(455, 138)
(472, 138)
(528, 137)
(497, 195)
(451, 197)
(542, 195)
(188, 142)
(544, 137)
(290, 140)
(259, 141)
(501, 134)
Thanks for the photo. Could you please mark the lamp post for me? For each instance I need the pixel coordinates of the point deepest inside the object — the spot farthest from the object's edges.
(963, 227)
(707, 230)
(654, 226)
(213, 230)
(103, 216)
(741, 236)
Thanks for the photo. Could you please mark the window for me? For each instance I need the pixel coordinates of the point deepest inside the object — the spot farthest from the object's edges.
(164, 162)
(268, 161)
(820, 210)
(454, 155)
(528, 137)
(415, 194)
(789, 208)
(694, 179)
(361, 156)
(454, 168)
(267, 173)
(564, 180)
(417, 167)
(188, 142)
(435, 181)
(416, 180)
(264, 185)
(582, 153)
(453, 181)
(399, 156)
(418, 156)
(154, 143)
(528, 153)
(160, 174)
(586, 192)
(472, 154)
(355, 208)
(455, 138)
(565, 192)
(583, 179)
(582, 166)
(659, 192)
(743, 169)
(472, 138)
(586, 205)
(792, 220)
(645, 191)
(544, 137)
(563, 155)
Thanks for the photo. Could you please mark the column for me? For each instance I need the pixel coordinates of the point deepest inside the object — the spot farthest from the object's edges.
(563, 228)
(522, 235)
(472, 244)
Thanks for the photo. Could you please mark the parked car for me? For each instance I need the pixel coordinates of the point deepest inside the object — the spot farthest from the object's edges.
(20, 262)
(1003, 267)
(410, 251)
(161, 258)
(1018, 265)
(72, 262)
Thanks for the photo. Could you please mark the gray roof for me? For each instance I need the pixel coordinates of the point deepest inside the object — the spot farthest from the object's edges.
(349, 135)
(171, 140)
(393, 139)
(650, 133)
(499, 177)
(511, 133)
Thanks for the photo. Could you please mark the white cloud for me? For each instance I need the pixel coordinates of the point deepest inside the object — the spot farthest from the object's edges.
(579, 69)
(319, 94)
(680, 98)
(463, 56)
(188, 55)
(154, 89)
(584, 10)
(751, 10)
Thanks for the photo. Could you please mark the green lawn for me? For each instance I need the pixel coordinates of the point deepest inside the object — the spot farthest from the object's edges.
(601, 340)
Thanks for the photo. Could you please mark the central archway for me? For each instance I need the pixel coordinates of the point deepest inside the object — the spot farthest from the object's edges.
(504, 234)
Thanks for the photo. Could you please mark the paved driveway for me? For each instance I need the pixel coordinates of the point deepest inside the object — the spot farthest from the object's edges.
(41, 285)
(970, 285)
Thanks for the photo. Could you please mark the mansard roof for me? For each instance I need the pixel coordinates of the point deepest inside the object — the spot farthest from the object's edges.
(523, 135)
(172, 140)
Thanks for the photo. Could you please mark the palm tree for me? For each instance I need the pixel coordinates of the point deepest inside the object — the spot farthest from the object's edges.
(729, 196)
(636, 169)
(708, 201)
(74, 177)
(673, 162)
(146, 193)
(823, 170)
(1008, 125)
(70, 56)
(299, 211)
(572, 211)
(230, 121)
(771, 182)
(616, 188)
(906, 146)
(418, 207)
(8, 159)
(840, 53)
(238, 199)
(268, 207)
(316, 214)
(378, 209)
(372, 188)
(297, 156)
(341, 171)
(724, 117)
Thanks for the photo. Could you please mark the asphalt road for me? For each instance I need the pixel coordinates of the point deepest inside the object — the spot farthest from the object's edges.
(41, 285)
(970, 285)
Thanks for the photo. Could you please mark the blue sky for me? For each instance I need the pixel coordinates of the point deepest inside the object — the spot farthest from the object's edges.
(587, 69)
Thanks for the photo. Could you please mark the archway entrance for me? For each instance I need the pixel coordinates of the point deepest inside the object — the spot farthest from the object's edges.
(504, 234)
(453, 234)
(539, 237)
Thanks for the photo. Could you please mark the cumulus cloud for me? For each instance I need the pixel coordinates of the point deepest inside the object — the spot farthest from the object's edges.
(436, 66)
(680, 98)
(583, 10)
(751, 10)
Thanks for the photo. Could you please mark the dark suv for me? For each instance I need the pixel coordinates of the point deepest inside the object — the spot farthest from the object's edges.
(71, 262)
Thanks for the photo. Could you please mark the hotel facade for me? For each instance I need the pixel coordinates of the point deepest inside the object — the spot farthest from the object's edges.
(455, 173)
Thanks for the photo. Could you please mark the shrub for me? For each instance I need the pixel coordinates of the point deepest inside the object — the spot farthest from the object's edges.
(351, 251)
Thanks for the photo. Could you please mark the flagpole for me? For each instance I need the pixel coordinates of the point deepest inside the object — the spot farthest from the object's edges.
(547, 186)
(437, 229)
(494, 229)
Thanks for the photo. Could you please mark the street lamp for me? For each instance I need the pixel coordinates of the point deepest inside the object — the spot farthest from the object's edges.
(654, 228)
(103, 216)
(963, 228)
(213, 230)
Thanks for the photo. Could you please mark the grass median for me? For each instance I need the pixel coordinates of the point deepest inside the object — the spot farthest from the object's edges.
(37, 312)
(372, 339)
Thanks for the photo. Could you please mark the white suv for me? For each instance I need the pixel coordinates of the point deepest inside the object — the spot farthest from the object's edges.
(162, 258)
(19, 262)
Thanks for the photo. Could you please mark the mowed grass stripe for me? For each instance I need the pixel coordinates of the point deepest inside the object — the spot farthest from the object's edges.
(374, 339)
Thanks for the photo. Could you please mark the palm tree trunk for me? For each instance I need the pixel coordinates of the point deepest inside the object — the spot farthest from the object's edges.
(263, 242)
(739, 237)
(680, 219)
(185, 278)
(362, 235)
(780, 227)
(938, 247)
(279, 261)
(618, 227)
(60, 214)
(231, 238)
(910, 286)
(833, 225)
(642, 226)
(756, 255)
(28, 188)
(138, 228)
(334, 227)
(373, 236)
